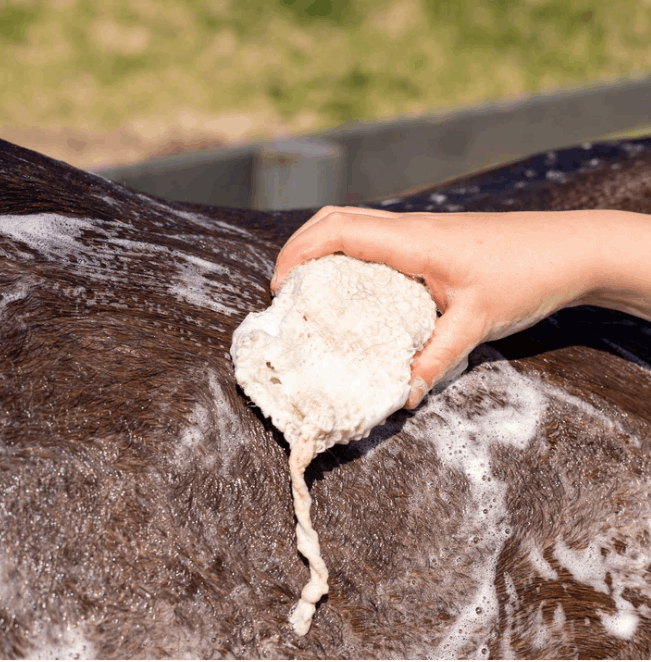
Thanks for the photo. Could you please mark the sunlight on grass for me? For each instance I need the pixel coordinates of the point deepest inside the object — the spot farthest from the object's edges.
(295, 66)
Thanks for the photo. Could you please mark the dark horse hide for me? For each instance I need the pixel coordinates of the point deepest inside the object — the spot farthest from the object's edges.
(145, 505)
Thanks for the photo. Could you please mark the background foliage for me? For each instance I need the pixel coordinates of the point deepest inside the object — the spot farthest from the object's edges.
(229, 70)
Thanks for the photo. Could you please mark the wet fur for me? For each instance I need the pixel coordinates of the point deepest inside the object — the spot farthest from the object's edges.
(145, 504)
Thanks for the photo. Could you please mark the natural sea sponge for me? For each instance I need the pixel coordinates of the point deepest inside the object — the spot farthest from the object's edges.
(327, 362)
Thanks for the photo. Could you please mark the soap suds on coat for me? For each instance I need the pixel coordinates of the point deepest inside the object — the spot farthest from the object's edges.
(327, 362)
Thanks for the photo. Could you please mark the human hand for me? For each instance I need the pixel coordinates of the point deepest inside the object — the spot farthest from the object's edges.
(491, 274)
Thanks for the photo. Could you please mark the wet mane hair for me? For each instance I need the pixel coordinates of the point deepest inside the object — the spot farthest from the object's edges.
(145, 507)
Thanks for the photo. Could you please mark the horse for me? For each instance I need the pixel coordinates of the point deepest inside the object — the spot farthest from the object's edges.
(145, 503)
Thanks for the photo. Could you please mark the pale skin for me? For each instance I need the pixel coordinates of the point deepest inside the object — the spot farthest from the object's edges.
(491, 274)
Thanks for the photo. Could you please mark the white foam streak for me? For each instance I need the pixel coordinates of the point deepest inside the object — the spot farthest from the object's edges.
(540, 563)
(598, 565)
(202, 282)
(49, 234)
(464, 443)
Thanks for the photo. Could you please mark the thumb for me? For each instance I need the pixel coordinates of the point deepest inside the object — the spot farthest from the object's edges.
(457, 332)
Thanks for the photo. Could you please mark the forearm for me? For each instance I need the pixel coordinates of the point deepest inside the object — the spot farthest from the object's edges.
(620, 276)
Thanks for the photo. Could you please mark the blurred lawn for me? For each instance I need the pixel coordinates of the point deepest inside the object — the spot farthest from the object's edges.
(152, 72)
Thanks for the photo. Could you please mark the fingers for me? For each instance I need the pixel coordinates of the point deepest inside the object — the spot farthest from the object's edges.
(357, 233)
(334, 217)
(458, 331)
(330, 209)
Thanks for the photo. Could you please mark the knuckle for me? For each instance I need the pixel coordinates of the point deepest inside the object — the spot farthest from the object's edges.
(331, 209)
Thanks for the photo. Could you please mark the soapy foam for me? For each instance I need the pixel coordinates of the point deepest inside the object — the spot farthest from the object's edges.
(491, 406)
(70, 644)
(509, 414)
(600, 561)
(192, 440)
(49, 234)
(540, 564)
(20, 292)
(205, 283)
(193, 286)
(48, 643)
(214, 432)
(194, 217)
(552, 632)
(228, 421)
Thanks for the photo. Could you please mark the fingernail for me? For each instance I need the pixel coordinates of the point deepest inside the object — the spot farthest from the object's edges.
(273, 280)
(417, 393)
(415, 398)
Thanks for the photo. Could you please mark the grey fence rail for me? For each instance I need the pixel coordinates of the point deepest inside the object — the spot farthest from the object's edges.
(366, 161)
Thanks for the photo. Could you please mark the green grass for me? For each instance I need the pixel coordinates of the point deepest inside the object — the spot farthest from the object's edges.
(300, 65)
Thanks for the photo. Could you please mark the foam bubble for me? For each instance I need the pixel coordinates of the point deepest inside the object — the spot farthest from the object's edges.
(192, 437)
(21, 291)
(494, 405)
(438, 198)
(193, 286)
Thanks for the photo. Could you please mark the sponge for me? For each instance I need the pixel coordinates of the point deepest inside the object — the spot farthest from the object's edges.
(327, 362)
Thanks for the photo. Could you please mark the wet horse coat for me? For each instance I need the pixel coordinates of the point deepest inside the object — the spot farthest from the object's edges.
(145, 507)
